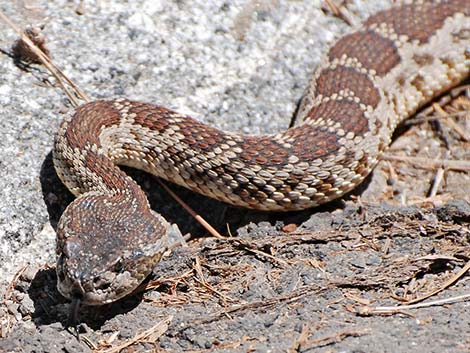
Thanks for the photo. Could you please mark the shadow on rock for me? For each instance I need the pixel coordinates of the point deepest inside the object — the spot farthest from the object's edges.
(51, 307)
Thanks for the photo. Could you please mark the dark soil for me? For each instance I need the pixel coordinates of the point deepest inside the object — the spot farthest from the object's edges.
(278, 288)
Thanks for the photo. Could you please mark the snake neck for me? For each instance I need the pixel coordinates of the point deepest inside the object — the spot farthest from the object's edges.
(108, 239)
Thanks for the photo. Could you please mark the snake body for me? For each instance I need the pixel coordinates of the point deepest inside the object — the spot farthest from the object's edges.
(109, 239)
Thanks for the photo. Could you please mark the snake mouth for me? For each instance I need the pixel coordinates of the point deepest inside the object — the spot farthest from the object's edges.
(72, 285)
(83, 291)
(93, 289)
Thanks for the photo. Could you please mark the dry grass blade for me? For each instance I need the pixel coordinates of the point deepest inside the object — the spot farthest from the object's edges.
(400, 309)
(51, 67)
(202, 281)
(445, 285)
(438, 178)
(5, 321)
(427, 163)
(421, 118)
(435, 257)
(13, 282)
(327, 340)
(450, 122)
(286, 298)
(411, 304)
(150, 335)
(249, 247)
(196, 216)
(339, 12)
(155, 284)
(301, 340)
(89, 342)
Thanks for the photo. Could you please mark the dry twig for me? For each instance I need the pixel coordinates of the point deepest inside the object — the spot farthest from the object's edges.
(327, 340)
(446, 118)
(47, 62)
(201, 280)
(430, 164)
(445, 285)
(151, 335)
(400, 309)
(193, 213)
(286, 298)
(339, 12)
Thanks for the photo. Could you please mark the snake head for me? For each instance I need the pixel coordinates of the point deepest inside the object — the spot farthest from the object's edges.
(106, 248)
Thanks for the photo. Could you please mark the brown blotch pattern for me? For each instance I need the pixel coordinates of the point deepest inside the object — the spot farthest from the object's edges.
(196, 134)
(263, 150)
(196, 151)
(419, 21)
(150, 116)
(325, 142)
(347, 78)
(372, 50)
(346, 112)
(88, 121)
(305, 166)
(200, 136)
(401, 80)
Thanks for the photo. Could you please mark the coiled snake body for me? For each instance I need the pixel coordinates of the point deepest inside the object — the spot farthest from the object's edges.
(109, 239)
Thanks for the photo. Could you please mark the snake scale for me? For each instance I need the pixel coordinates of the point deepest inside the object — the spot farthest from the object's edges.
(109, 240)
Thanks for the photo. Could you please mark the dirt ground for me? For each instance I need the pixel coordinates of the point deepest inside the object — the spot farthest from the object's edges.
(352, 276)
(276, 287)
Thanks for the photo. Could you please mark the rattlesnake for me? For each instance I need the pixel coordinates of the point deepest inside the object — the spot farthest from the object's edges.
(109, 239)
